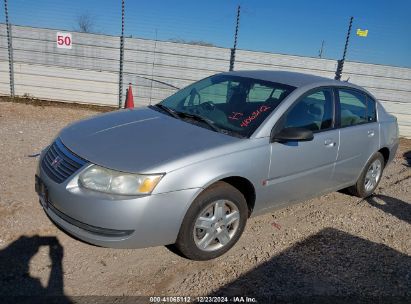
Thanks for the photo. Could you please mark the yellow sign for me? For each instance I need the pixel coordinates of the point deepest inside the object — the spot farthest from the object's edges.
(362, 33)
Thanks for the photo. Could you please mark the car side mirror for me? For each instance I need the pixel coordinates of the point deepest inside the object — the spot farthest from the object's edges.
(293, 134)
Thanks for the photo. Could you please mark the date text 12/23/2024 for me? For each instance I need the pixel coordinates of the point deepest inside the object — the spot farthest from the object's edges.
(172, 299)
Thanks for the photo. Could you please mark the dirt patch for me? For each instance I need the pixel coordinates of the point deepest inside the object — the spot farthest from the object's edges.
(56, 104)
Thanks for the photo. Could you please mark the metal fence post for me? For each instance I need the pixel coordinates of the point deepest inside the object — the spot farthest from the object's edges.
(152, 68)
(232, 55)
(120, 81)
(10, 49)
(340, 63)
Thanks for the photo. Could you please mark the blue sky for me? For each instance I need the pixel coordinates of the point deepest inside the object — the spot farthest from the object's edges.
(294, 27)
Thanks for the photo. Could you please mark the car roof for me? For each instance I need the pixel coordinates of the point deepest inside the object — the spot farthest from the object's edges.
(291, 78)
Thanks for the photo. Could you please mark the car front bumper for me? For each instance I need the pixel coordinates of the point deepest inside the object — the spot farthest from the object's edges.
(111, 220)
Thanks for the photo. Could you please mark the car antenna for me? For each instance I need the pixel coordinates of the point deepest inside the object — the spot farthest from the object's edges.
(347, 79)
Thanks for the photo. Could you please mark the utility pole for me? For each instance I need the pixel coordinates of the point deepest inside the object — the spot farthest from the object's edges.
(120, 80)
(320, 53)
(232, 56)
(340, 63)
(10, 49)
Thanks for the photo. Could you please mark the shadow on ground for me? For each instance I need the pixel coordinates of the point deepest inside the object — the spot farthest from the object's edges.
(391, 205)
(328, 267)
(16, 283)
(407, 157)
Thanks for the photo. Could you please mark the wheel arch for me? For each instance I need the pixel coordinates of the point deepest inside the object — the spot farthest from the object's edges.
(242, 184)
(385, 153)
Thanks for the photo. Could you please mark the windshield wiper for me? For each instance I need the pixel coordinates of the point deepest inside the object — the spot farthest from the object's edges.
(210, 124)
(180, 115)
(200, 118)
(167, 110)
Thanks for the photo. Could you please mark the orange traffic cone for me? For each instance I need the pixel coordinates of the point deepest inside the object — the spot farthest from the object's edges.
(129, 98)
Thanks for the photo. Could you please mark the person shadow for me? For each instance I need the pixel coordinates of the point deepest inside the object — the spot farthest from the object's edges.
(16, 283)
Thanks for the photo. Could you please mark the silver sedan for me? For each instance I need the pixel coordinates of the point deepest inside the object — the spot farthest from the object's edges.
(192, 169)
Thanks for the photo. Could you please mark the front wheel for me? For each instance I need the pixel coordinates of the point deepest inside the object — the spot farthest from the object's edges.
(370, 177)
(213, 223)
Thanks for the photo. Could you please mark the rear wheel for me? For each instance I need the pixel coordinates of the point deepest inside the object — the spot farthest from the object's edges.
(213, 223)
(369, 178)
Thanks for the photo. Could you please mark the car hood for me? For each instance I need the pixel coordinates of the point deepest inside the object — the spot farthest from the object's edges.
(139, 139)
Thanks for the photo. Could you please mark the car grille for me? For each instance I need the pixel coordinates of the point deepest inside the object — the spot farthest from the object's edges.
(59, 162)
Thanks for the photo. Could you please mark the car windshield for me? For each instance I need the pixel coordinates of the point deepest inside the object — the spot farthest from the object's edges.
(225, 103)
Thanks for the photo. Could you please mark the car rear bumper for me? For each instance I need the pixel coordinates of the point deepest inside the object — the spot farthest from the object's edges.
(115, 221)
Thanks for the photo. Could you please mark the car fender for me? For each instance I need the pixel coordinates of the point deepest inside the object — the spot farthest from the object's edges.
(251, 164)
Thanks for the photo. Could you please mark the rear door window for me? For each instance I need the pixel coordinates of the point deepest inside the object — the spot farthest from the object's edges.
(353, 107)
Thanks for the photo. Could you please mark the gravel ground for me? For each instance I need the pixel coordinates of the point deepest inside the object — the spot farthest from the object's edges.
(333, 245)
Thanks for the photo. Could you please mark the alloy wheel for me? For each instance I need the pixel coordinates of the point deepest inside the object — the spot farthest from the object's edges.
(373, 175)
(216, 225)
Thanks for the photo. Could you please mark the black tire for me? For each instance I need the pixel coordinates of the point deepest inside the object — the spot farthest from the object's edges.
(219, 191)
(359, 189)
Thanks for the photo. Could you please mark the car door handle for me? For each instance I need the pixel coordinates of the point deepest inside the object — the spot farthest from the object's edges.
(329, 143)
(371, 133)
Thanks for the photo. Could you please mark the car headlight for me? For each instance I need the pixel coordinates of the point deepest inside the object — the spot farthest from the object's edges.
(105, 180)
